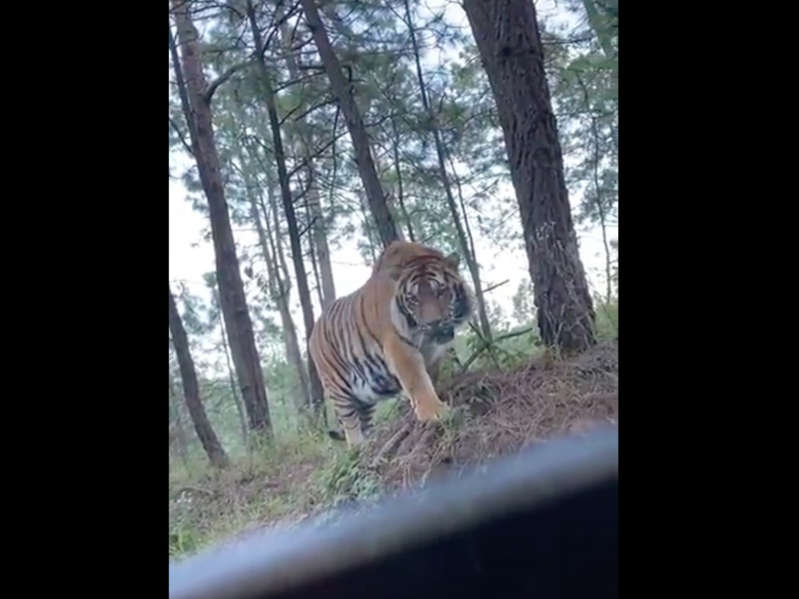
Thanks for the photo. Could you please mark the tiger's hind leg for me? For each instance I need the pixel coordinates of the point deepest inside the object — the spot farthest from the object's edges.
(349, 412)
(366, 416)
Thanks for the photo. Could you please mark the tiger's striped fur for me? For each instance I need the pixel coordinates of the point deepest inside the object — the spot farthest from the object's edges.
(385, 338)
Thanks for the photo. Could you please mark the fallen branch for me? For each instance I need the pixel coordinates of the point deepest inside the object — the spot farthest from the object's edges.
(488, 344)
(392, 444)
(194, 490)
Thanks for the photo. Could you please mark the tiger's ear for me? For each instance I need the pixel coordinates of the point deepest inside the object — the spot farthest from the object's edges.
(394, 272)
(453, 260)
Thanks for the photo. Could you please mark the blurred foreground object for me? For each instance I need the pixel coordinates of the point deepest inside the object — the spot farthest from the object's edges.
(542, 523)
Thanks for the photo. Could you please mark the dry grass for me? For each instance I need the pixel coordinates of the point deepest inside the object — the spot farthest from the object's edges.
(497, 413)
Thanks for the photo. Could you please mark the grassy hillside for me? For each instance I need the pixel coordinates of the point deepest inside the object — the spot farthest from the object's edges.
(494, 411)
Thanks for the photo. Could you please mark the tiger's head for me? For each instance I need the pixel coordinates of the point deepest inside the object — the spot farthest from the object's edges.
(398, 254)
(431, 296)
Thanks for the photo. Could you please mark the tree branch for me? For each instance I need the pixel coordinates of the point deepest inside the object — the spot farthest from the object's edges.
(495, 286)
(289, 113)
(182, 139)
(286, 84)
(309, 225)
(316, 106)
(276, 27)
(224, 77)
(316, 153)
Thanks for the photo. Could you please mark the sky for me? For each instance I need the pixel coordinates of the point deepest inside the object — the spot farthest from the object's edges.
(190, 256)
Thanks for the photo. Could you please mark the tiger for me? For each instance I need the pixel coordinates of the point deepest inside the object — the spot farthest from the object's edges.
(384, 339)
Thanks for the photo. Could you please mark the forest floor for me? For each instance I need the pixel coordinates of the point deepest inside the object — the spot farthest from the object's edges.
(492, 414)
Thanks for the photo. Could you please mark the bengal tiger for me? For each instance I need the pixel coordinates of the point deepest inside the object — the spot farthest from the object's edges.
(385, 338)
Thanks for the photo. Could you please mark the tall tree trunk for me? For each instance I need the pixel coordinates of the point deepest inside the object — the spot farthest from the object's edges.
(506, 32)
(317, 398)
(468, 252)
(600, 207)
(312, 250)
(395, 142)
(478, 286)
(231, 378)
(191, 390)
(319, 230)
(278, 286)
(601, 210)
(279, 294)
(276, 236)
(366, 226)
(197, 110)
(180, 432)
(321, 248)
(344, 92)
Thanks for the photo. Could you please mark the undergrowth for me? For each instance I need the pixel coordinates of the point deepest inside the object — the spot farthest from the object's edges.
(511, 397)
(279, 483)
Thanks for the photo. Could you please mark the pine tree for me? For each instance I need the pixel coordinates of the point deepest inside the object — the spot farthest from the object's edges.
(195, 97)
(191, 390)
(506, 32)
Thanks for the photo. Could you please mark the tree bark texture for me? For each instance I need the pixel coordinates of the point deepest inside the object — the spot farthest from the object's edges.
(233, 302)
(344, 92)
(506, 32)
(191, 390)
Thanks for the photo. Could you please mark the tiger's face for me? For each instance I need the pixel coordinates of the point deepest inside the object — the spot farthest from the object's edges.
(432, 297)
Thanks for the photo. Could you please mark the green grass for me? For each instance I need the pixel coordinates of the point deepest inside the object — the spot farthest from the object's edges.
(607, 320)
(266, 484)
(285, 479)
(303, 472)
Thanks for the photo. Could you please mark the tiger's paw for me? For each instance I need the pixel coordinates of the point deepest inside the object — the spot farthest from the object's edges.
(432, 410)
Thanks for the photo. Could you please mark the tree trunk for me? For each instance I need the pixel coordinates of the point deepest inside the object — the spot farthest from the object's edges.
(468, 252)
(321, 248)
(191, 390)
(280, 294)
(473, 267)
(367, 230)
(395, 142)
(317, 398)
(277, 285)
(312, 249)
(231, 378)
(197, 111)
(319, 230)
(601, 210)
(344, 92)
(507, 37)
(180, 432)
(600, 207)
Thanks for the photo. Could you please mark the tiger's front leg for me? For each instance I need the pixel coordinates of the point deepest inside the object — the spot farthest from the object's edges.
(408, 365)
